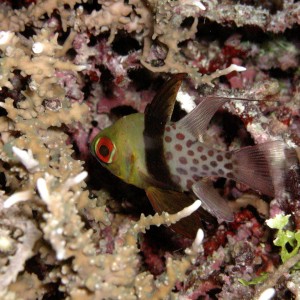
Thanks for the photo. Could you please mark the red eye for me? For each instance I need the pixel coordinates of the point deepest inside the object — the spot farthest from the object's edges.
(105, 149)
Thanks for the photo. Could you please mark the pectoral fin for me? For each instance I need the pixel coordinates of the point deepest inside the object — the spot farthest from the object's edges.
(212, 201)
(173, 202)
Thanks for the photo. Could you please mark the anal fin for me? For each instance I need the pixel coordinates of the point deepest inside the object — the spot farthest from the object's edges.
(212, 201)
(173, 202)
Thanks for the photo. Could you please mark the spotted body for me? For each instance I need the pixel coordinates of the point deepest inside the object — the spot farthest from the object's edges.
(167, 159)
(189, 160)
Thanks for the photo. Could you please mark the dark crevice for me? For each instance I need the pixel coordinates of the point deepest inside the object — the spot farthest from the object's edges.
(121, 111)
(187, 22)
(28, 32)
(123, 43)
(232, 127)
(89, 6)
(141, 78)
(63, 35)
(106, 80)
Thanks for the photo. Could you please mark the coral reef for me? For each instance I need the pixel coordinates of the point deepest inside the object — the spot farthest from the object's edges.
(70, 230)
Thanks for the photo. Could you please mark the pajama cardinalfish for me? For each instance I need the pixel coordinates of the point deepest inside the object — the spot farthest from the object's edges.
(168, 160)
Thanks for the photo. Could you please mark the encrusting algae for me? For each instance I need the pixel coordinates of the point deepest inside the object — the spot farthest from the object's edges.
(71, 69)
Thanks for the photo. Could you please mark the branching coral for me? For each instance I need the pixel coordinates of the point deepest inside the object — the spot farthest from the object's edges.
(19, 233)
(103, 275)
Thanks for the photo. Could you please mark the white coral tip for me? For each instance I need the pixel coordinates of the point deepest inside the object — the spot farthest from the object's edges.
(26, 158)
(75, 180)
(81, 67)
(199, 4)
(267, 294)
(238, 68)
(16, 198)
(6, 243)
(5, 37)
(80, 177)
(37, 48)
(186, 101)
(190, 209)
(198, 240)
(60, 255)
(43, 189)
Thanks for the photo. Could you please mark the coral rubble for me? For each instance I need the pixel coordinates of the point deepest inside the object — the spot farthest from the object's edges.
(70, 230)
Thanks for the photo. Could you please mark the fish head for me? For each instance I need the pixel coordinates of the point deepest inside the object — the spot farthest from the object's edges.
(120, 148)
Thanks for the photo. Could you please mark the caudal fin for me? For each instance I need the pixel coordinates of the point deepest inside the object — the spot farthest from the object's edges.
(263, 167)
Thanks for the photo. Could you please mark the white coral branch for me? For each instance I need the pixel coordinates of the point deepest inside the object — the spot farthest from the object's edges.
(233, 67)
(16, 198)
(5, 37)
(26, 158)
(60, 204)
(24, 248)
(187, 211)
(42, 188)
(267, 294)
(196, 3)
(37, 48)
(165, 218)
(186, 101)
(198, 241)
(75, 180)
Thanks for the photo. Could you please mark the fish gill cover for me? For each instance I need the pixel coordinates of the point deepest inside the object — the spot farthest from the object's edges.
(68, 69)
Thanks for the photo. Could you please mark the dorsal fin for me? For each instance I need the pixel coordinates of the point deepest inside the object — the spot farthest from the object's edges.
(159, 111)
(196, 122)
(157, 114)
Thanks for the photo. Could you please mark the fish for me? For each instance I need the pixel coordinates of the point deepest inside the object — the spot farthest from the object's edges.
(168, 160)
